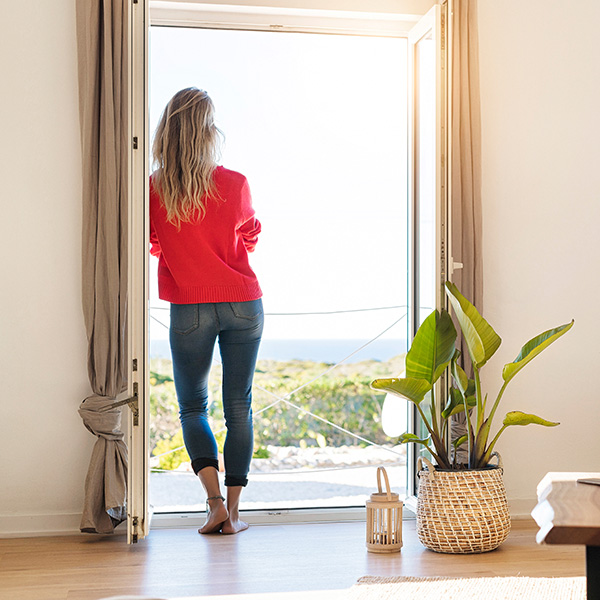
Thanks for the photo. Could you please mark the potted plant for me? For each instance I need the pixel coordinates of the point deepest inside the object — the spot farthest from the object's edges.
(461, 508)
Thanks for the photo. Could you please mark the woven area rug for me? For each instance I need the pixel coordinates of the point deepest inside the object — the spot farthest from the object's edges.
(477, 588)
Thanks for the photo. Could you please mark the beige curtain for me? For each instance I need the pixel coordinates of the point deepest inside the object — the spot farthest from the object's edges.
(103, 109)
(466, 152)
(466, 166)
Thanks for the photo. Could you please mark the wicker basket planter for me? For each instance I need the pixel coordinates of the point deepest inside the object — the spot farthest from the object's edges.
(462, 512)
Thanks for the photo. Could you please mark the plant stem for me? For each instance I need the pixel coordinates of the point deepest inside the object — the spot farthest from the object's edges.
(478, 398)
(485, 430)
(434, 423)
(469, 430)
(473, 458)
(437, 458)
(439, 446)
(426, 423)
(480, 441)
(497, 402)
(488, 453)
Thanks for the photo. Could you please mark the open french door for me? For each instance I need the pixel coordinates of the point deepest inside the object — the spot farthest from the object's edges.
(427, 177)
(428, 202)
(138, 518)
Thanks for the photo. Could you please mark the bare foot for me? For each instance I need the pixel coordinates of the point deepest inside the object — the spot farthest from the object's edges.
(216, 517)
(233, 525)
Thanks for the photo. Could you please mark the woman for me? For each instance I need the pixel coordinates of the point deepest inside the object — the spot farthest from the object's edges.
(202, 227)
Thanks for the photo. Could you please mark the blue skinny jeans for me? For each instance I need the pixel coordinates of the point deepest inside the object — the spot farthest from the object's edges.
(194, 329)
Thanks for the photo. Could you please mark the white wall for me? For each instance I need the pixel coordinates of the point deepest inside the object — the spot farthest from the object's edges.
(44, 448)
(540, 84)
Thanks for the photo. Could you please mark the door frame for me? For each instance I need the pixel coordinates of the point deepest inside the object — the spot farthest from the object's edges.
(138, 515)
(434, 21)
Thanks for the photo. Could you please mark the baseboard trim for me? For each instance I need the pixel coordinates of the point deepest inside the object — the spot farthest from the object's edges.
(45, 525)
(13, 526)
(520, 508)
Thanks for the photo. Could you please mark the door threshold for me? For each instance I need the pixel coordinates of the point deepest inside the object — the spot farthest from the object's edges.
(265, 517)
(270, 517)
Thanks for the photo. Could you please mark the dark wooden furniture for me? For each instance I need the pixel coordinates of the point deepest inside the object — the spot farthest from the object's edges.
(568, 512)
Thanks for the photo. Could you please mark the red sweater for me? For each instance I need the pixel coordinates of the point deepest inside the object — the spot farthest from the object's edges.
(207, 260)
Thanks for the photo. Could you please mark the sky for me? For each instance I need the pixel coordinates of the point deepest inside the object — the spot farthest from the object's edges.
(317, 123)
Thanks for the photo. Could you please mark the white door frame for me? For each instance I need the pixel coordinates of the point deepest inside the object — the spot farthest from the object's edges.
(434, 23)
(138, 518)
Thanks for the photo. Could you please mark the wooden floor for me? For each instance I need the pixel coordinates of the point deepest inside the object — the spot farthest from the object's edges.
(264, 559)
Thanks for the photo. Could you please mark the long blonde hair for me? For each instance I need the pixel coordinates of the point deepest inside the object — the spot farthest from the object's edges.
(185, 152)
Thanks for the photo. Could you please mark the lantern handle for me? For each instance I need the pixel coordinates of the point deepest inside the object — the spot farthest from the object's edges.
(381, 470)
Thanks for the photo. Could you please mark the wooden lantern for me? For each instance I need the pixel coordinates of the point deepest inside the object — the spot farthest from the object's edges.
(384, 518)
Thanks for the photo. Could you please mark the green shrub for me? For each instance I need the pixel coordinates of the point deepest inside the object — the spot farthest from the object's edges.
(342, 397)
(172, 460)
(261, 452)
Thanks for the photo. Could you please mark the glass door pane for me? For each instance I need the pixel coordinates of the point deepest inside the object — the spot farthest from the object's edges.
(427, 114)
(317, 123)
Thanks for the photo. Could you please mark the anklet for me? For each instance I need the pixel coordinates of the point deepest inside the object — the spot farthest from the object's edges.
(212, 498)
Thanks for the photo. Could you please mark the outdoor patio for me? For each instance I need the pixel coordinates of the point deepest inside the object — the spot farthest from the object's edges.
(292, 478)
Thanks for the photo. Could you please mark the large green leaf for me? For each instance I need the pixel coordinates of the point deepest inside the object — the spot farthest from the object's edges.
(532, 348)
(456, 404)
(460, 441)
(465, 385)
(482, 341)
(432, 348)
(460, 377)
(410, 388)
(411, 438)
(517, 417)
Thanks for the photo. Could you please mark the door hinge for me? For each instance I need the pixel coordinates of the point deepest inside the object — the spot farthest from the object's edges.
(134, 533)
(443, 32)
(135, 142)
(134, 406)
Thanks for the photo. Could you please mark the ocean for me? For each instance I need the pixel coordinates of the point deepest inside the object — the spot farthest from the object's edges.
(329, 351)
